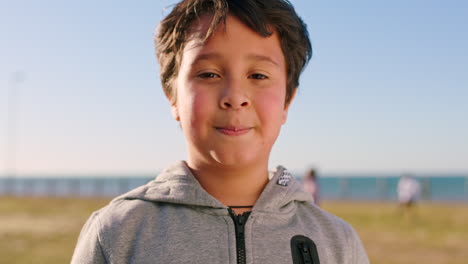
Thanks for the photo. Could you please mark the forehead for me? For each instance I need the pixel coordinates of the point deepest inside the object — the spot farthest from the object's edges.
(233, 37)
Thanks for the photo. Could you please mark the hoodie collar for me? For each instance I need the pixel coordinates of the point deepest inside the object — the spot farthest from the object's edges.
(178, 185)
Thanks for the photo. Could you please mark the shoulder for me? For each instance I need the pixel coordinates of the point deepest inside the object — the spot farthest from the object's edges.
(122, 212)
(336, 231)
(324, 219)
(119, 222)
(104, 228)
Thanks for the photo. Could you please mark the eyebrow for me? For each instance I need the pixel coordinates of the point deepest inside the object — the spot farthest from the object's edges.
(259, 57)
(251, 56)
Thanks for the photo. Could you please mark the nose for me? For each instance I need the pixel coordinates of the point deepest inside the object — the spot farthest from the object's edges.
(234, 96)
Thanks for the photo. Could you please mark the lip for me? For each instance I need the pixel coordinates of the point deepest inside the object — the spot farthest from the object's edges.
(233, 130)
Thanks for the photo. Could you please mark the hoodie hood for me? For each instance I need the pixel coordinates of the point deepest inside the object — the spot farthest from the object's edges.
(178, 185)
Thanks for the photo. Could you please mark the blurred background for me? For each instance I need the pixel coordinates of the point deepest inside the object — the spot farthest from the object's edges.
(83, 118)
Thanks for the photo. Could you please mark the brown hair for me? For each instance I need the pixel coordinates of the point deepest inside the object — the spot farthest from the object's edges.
(259, 15)
(311, 175)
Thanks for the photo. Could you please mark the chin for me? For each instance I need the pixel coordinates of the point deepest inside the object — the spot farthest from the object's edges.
(235, 160)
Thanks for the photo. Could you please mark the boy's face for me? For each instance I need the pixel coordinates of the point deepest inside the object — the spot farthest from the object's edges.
(231, 95)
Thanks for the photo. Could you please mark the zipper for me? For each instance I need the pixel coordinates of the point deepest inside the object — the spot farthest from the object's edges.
(239, 224)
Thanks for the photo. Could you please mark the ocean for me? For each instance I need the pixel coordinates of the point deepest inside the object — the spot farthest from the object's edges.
(452, 188)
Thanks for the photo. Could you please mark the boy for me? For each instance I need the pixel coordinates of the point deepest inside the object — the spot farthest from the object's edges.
(230, 69)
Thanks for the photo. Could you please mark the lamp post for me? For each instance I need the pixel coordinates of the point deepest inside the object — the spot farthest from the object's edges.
(12, 130)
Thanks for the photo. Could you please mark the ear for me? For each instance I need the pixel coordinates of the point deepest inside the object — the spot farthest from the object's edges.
(175, 111)
(286, 107)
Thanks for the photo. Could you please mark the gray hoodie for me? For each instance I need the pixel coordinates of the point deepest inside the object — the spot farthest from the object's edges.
(172, 219)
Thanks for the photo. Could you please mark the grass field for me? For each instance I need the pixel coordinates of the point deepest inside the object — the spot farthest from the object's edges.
(431, 234)
(44, 230)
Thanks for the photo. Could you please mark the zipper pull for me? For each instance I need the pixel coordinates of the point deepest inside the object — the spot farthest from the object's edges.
(240, 224)
(241, 219)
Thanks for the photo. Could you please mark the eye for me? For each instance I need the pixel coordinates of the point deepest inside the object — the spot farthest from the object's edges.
(258, 76)
(208, 75)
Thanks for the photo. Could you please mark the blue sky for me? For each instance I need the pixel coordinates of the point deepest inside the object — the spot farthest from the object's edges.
(385, 91)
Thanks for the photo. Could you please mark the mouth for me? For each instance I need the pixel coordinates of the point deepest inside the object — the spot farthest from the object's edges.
(233, 130)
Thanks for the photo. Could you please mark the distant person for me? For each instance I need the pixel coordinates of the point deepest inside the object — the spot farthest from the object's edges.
(408, 191)
(230, 69)
(310, 185)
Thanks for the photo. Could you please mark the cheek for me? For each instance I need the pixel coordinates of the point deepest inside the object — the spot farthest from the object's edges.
(201, 105)
(196, 106)
(270, 107)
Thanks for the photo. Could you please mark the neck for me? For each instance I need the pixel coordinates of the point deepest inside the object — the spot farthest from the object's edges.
(231, 185)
